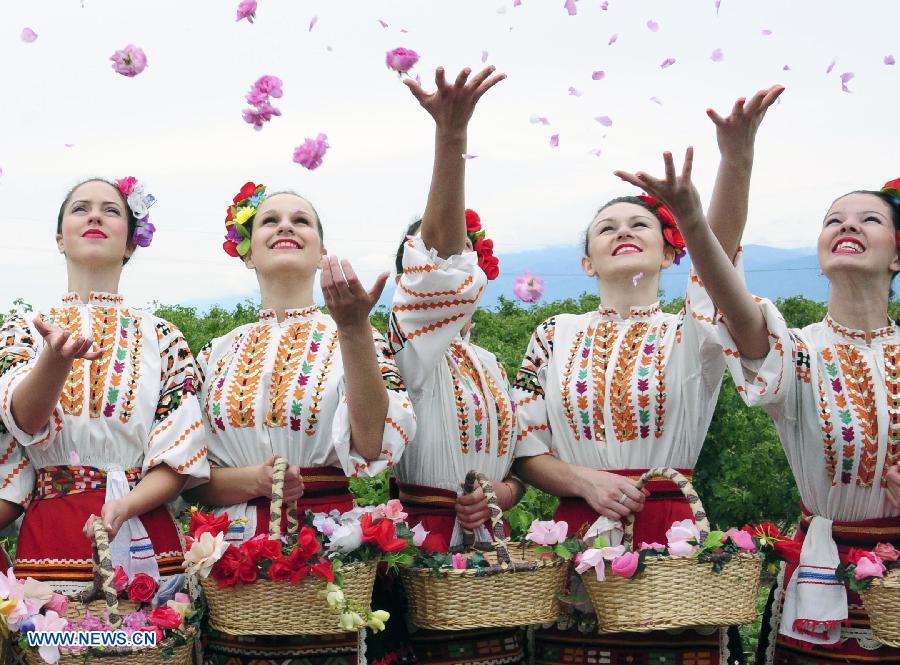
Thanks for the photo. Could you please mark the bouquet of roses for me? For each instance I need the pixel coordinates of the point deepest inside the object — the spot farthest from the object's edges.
(864, 566)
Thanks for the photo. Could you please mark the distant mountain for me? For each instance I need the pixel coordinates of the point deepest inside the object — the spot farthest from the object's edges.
(771, 272)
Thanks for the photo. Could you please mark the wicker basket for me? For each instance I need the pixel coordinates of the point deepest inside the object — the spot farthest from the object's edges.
(518, 589)
(102, 598)
(278, 608)
(676, 592)
(882, 602)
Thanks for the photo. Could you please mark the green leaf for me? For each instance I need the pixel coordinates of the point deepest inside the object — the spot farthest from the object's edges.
(562, 551)
(244, 245)
(713, 540)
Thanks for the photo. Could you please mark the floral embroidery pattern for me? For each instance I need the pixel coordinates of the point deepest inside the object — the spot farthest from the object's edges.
(72, 397)
(892, 383)
(643, 384)
(845, 416)
(287, 360)
(214, 396)
(659, 365)
(862, 397)
(470, 375)
(581, 386)
(828, 441)
(313, 419)
(103, 329)
(118, 365)
(603, 337)
(621, 404)
(306, 368)
(504, 414)
(462, 414)
(566, 380)
(247, 374)
(127, 406)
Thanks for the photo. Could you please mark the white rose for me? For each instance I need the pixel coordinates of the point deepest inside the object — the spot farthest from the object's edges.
(204, 553)
(346, 537)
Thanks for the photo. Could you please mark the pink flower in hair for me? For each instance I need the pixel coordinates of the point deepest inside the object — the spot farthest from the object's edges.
(125, 185)
(309, 154)
(129, 61)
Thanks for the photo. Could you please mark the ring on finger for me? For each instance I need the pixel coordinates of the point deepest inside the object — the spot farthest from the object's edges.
(623, 498)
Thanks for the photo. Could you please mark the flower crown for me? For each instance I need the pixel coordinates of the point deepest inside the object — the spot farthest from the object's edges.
(240, 214)
(139, 201)
(892, 189)
(670, 229)
(482, 246)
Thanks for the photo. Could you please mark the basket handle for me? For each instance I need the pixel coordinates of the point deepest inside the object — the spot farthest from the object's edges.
(686, 488)
(498, 534)
(293, 524)
(104, 576)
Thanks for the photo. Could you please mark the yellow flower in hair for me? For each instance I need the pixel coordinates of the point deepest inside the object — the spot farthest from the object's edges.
(243, 214)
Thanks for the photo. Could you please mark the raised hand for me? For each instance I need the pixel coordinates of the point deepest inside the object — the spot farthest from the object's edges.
(736, 133)
(62, 345)
(676, 191)
(452, 104)
(348, 302)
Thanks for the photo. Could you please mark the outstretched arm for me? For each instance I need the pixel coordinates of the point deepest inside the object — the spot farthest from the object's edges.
(743, 317)
(736, 135)
(451, 106)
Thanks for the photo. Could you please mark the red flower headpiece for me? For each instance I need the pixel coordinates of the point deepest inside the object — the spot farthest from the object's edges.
(670, 229)
(892, 189)
(482, 246)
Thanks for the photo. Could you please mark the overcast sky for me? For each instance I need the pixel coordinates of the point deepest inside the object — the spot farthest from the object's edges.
(67, 115)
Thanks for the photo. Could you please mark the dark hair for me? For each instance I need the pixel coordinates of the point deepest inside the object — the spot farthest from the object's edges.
(411, 230)
(636, 200)
(132, 220)
(894, 206)
(299, 196)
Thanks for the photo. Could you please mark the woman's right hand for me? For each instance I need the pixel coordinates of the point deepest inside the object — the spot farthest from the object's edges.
(736, 133)
(293, 481)
(452, 104)
(61, 345)
(611, 495)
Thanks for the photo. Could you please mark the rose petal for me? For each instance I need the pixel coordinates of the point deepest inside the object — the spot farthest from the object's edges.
(554, 141)
(604, 5)
(718, 4)
(596, 152)
(656, 100)
(28, 35)
(652, 26)
(570, 7)
(312, 22)
(766, 32)
(786, 68)
(404, 30)
(604, 120)
(831, 66)
(383, 24)
(613, 39)
(668, 62)
(484, 56)
(889, 60)
(637, 278)
(846, 77)
(574, 92)
(535, 119)
(516, 3)
(598, 75)
(468, 156)
(717, 55)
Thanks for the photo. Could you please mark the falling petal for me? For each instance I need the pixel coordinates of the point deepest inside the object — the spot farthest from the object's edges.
(718, 4)
(418, 79)
(717, 55)
(598, 75)
(596, 152)
(786, 68)
(312, 22)
(484, 56)
(656, 100)
(570, 7)
(468, 156)
(554, 140)
(535, 119)
(637, 278)
(383, 24)
(613, 39)
(604, 120)
(516, 3)
(404, 30)
(668, 62)
(28, 35)
(766, 32)
(574, 92)
(846, 77)
(604, 6)
(652, 26)
(831, 66)
(889, 60)
(69, 145)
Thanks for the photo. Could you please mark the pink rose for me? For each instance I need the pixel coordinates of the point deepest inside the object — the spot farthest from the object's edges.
(392, 510)
(309, 154)
(887, 552)
(547, 533)
(129, 61)
(528, 288)
(459, 561)
(246, 10)
(652, 546)
(683, 538)
(682, 548)
(401, 60)
(58, 603)
(120, 579)
(865, 567)
(740, 538)
(625, 565)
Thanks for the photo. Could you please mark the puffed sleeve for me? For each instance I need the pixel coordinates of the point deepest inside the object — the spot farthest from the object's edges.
(528, 393)
(434, 299)
(17, 476)
(177, 436)
(399, 423)
(19, 349)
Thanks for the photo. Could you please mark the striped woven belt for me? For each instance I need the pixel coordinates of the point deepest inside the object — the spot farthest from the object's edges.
(57, 481)
(421, 496)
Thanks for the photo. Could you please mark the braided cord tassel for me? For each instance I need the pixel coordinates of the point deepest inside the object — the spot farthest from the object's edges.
(107, 575)
(277, 499)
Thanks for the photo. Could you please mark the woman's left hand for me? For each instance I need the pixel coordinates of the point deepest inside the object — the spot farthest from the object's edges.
(349, 304)
(472, 510)
(893, 485)
(113, 515)
(676, 191)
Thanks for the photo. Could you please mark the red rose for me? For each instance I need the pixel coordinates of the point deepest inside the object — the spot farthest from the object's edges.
(484, 246)
(473, 221)
(261, 547)
(434, 543)
(207, 522)
(120, 579)
(382, 533)
(248, 569)
(673, 237)
(324, 570)
(789, 550)
(230, 247)
(229, 216)
(886, 552)
(142, 588)
(246, 192)
(307, 545)
(165, 617)
(491, 266)
(893, 184)
(226, 570)
(280, 570)
(153, 629)
(666, 215)
(855, 554)
(299, 574)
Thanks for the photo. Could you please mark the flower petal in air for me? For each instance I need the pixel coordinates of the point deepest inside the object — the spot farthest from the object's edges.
(28, 35)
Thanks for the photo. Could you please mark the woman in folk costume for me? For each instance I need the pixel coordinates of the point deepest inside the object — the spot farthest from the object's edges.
(16, 484)
(319, 390)
(100, 395)
(606, 395)
(459, 390)
(833, 391)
